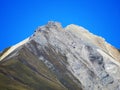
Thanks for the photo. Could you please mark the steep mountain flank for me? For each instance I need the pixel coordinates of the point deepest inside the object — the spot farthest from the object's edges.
(56, 58)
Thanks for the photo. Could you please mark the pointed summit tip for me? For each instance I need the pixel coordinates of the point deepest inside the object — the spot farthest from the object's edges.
(52, 24)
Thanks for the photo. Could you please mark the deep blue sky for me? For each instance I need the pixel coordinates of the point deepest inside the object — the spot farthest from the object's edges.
(19, 18)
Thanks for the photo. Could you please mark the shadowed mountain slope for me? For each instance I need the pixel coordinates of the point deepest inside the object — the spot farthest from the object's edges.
(56, 58)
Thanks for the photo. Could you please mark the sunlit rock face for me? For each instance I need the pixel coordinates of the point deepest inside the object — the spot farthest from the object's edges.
(78, 59)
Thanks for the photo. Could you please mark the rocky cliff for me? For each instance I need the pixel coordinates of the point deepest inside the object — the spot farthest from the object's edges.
(56, 58)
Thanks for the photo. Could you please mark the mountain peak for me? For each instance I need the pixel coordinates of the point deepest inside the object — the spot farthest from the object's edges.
(57, 58)
(55, 24)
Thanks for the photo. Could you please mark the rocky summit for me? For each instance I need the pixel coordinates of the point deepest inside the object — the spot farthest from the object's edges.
(57, 58)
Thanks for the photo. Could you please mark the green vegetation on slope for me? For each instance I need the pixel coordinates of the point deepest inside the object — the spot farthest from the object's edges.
(26, 72)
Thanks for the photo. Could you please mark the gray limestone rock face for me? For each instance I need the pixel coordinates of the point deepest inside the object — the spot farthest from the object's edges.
(80, 48)
(76, 54)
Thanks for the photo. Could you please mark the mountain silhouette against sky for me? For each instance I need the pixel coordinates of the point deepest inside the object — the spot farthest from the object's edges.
(57, 58)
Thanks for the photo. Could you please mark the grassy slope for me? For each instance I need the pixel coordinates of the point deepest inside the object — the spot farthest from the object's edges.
(26, 72)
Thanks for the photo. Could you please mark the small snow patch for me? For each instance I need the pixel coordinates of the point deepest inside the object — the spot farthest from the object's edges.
(13, 48)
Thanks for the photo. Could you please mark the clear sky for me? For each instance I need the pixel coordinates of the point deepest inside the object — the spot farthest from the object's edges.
(19, 18)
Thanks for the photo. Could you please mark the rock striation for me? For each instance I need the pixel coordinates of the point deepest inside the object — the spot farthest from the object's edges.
(71, 58)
